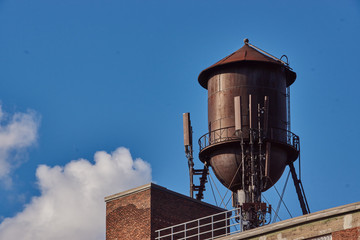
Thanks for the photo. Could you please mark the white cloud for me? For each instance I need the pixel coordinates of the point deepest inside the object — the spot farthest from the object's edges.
(71, 204)
(17, 132)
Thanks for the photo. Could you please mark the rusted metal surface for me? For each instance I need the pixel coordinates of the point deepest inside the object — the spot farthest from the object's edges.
(248, 145)
(224, 144)
(245, 73)
(245, 54)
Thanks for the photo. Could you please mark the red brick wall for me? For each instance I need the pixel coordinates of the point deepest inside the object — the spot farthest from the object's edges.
(348, 234)
(129, 217)
(171, 209)
(137, 215)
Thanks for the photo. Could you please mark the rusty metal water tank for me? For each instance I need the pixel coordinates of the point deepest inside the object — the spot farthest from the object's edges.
(247, 72)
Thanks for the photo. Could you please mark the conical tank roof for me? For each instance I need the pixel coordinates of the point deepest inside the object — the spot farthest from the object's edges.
(245, 54)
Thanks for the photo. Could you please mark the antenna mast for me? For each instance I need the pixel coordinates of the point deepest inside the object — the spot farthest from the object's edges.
(189, 155)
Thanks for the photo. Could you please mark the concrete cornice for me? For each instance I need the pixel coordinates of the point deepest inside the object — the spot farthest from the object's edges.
(317, 216)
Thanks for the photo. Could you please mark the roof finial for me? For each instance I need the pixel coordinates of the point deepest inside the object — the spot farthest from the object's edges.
(246, 41)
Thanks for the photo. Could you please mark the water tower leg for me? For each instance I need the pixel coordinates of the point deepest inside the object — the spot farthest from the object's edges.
(302, 199)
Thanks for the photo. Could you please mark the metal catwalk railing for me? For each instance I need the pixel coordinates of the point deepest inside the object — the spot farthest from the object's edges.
(209, 227)
(229, 134)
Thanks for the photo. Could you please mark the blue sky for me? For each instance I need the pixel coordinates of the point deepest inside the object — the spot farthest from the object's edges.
(99, 75)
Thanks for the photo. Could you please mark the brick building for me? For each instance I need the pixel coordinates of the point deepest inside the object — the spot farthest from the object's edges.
(137, 213)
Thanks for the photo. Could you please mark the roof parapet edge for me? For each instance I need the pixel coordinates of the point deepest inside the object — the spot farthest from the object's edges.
(158, 187)
(293, 222)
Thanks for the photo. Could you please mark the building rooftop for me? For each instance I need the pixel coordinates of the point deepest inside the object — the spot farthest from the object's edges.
(332, 222)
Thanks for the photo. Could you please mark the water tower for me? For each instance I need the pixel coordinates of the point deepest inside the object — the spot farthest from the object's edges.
(249, 142)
